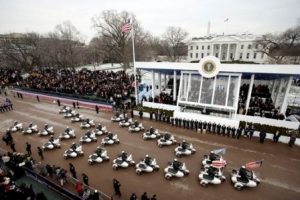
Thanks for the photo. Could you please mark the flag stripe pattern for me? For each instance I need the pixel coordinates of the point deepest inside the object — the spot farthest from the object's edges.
(254, 164)
(218, 163)
(126, 28)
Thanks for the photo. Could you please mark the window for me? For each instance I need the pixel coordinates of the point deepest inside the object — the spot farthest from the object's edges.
(223, 56)
(231, 56)
(248, 54)
(191, 55)
(254, 56)
(196, 55)
(197, 47)
(241, 55)
(191, 48)
(208, 54)
(256, 46)
(217, 47)
(249, 46)
(202, 55)
(217, 55)
(262, 55)
(242, 46)
(208, 47)
(202, 47)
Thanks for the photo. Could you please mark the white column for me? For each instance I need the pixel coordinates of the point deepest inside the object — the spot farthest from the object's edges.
(188, 87)
(180, 88)
(227, 89)
(236, 55)
(200, 89)
(237, 95)
(286, 94)
(220, 47)
(249, 92)
(278, 92)
(153, 83)
(228, 50)
(214, 89)
(165, 79)
(273, 90)
(174, 85)
(159, 82)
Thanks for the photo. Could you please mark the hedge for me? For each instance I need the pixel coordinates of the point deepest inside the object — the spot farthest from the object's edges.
(149, 110)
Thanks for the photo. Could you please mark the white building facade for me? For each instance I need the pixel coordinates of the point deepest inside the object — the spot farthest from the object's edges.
(226, 48)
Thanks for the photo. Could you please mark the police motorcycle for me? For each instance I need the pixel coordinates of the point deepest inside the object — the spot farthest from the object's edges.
(88, 137)
(67, 134)
(32, 128)
(70, 114)
(184, 148)
(16, 127)
(48, 130)
(124, 160)
(110, 139)
(117, 117)
(51, 144)
(148, 165)
(211, 175)
(98, 156)
(77, 118)
(74, 151)
(126, 122)
(176, 169)
(100, 130)
(208, 159)
(244, 178)
(136, 127)
(64, 109)
(166, 140)
(87, 123)
(151, 134)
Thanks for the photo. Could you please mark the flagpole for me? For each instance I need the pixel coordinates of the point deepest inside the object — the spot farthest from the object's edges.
(134, 68)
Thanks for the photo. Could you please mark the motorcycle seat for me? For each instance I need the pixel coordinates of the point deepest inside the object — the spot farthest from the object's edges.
(208, 177)
(118, 161)
(142, 166)
(171, 170)
(181, 149)
(242, 180)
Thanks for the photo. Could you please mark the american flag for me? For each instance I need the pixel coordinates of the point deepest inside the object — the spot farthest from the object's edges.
(254, 164)
(126, 28)
(218, 163)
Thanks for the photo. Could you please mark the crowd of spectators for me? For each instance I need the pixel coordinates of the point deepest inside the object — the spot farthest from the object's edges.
(8, 76)
(260, 104)
(108, 85)
(5, 105)
(11, 169)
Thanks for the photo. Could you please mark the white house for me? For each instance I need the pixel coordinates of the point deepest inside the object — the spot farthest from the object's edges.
(226, 48)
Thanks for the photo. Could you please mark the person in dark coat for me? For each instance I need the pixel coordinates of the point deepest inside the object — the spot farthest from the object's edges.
(184, 122)
(85, 179)
(179, 122)
(141, 114)
(262, 136)
(133, 197)
(156, 115)
(77, 103)
(40, 153)
(28, 148)
(209, 127)
(251, 131)
(276, 136)
(228, 130)
(233, 129)
(74, 105)
(72, 170)
(238, 133)
(151, 115)
(117, 186)
(144, 196)
(176, 122)
(223, 130)
(292, 140)
(97, 109)
(218, 129)
(204, 126)
(214, 127)
(196, 125)
(172, 121)
(153, 197)
(37, 98)
(58, 102)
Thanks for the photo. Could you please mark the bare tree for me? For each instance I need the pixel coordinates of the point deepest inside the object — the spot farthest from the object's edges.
(20, 50)
(173, 43)
(116, 44)
(281, 46)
